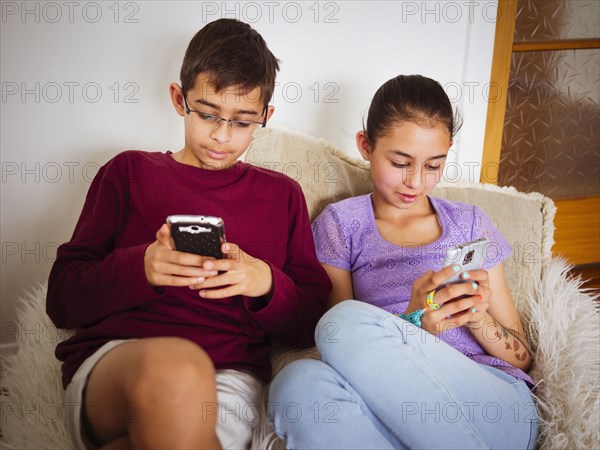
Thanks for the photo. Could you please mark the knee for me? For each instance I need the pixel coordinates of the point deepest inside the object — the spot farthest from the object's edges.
(347, 325)
(171, 370)
(294, 391)
(347, 315)
(295, 381)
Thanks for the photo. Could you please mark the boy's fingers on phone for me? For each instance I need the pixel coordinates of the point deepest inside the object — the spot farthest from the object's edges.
(163, 235)
(199, 284)
(176, 281)
(222, 279)
(188, 271)
(222, 265)
(163, 231)
(189, 259)
(227, 291)
(230, 249)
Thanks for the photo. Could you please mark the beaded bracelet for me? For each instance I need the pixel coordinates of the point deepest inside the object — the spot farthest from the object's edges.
(413, 317)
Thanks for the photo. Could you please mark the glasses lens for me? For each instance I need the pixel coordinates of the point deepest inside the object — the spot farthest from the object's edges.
(211, 121)
(243, 126)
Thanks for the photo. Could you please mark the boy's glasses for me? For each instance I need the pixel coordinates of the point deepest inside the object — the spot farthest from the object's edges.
(213, 121)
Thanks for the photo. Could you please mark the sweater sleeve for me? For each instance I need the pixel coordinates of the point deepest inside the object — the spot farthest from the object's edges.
(91, 278)
(300, 288)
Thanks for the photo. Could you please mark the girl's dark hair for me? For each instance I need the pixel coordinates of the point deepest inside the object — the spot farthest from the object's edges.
(410, 98)
(231, 53)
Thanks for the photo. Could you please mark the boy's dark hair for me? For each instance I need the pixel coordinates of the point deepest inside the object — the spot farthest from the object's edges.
(410, 98)
(231, 53)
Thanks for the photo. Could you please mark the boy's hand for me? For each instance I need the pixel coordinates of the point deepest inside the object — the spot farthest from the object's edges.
(164, 266)
(242, 275)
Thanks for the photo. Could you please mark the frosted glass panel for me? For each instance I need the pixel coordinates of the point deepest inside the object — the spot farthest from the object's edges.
(542, 20)
(551, 141)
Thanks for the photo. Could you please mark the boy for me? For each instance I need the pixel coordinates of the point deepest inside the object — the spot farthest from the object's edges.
(171, 348)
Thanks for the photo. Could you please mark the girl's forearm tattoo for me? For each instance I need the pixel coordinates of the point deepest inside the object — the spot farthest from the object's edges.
(518, 346)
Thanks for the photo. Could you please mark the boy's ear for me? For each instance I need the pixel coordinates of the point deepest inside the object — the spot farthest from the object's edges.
(362, 143)
(270, 111)
(176, 94)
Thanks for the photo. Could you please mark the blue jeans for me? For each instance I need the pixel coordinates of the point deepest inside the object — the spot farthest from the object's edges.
(384, 383)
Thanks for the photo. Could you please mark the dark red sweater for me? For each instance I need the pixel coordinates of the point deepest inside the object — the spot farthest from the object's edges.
(98, 286)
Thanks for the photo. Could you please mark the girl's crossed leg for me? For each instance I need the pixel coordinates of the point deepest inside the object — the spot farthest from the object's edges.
(384, 383)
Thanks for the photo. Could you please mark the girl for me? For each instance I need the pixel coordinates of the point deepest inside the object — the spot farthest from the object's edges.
(412, 364)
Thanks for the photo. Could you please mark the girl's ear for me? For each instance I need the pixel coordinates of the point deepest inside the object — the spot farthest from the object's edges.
(362, 143)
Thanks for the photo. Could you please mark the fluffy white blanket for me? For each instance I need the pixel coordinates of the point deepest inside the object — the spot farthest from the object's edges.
(564, 327)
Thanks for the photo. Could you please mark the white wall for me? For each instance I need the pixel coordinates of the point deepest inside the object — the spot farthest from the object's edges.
(82, 81)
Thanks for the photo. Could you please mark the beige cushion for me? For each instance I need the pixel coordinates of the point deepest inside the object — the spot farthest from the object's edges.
(326, 175)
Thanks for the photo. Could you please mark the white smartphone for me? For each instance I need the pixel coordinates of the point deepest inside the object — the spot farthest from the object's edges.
(201, 235)
(469, 256)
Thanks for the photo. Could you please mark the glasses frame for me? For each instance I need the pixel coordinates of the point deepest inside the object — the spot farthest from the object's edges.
(221, 119)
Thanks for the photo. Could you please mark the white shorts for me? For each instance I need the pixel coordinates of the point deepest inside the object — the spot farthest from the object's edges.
(238, 397)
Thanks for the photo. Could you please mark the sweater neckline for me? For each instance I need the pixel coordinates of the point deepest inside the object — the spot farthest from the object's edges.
(231, 174)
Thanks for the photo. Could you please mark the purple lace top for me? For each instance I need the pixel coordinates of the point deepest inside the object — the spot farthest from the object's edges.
(346, 237)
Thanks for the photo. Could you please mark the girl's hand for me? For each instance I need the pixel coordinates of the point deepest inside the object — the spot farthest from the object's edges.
(164, 266)
(242, 275)
(427, 282)
(460, 304)
(480, 277)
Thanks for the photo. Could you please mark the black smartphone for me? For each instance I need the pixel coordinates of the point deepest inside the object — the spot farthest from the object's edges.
(201, 235)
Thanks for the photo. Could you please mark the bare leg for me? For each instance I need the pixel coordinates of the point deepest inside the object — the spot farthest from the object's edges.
(151, 394)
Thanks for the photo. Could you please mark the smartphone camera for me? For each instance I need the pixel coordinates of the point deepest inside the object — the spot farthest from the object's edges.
(195, 229)
(468, 257)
